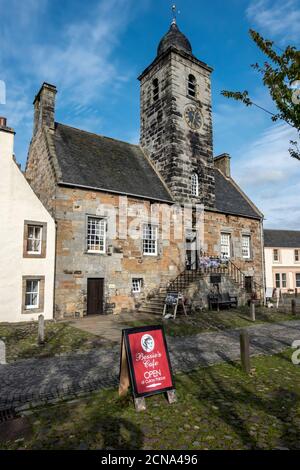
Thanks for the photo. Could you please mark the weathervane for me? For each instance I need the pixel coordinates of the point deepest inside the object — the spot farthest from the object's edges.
(175, 12)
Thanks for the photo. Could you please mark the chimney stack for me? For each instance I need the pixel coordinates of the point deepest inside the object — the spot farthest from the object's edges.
(3, 122)
(3, 125)
(222, 162)
(44, 108)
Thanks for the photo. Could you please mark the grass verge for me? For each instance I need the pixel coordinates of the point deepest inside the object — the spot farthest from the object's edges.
(218, 407)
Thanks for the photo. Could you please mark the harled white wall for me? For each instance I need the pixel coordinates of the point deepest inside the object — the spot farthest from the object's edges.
(286, 264)
(17, 204)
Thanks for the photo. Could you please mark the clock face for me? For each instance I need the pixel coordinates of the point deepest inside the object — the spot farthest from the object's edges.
(193, 117)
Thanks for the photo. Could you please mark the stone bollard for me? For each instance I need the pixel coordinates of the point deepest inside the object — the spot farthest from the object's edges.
(41, 330)
(252, 310)
(2, 352)
(293, 306)
(245, 351)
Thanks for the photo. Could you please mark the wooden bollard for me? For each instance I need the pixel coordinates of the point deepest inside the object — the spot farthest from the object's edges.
(41, 330)
(245, 351)
(252, 310)
(293, 306)
(2, 352)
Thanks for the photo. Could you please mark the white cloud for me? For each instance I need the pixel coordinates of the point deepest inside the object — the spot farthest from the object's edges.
(276, 18)
(78, 57)
(271, 177)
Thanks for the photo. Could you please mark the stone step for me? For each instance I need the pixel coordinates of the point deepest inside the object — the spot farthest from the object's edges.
(149, 307)
(151, 312)
(155, 303)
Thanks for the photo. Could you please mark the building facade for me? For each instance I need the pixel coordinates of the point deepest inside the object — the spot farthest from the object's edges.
(27, 243)
(130, 218)
(282, 259)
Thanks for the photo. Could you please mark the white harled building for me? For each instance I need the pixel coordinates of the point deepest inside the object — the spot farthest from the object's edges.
(27, 242)
(282, 259)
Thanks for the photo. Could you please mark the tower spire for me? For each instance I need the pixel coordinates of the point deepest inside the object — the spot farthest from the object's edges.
(174, 14)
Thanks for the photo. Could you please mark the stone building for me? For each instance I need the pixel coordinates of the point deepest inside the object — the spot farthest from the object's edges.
(27, 242)
(132, 218)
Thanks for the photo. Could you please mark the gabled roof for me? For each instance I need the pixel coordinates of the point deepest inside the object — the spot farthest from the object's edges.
(231, 200)
(98, 162)
(282, 238)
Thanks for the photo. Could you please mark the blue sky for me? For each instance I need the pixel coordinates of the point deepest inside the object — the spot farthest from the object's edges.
(94, 50)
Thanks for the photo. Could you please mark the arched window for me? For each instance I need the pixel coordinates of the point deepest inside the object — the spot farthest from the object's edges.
(192, 84)
(195, 185)
(155, 89)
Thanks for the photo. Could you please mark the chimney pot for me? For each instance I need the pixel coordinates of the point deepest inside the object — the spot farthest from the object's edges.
(3, 122)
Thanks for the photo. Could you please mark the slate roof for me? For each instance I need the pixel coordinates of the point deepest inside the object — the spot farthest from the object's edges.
(282, 238)
(230, 200)
(95, 161)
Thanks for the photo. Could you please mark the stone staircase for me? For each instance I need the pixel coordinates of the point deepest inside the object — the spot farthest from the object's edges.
(197, 282)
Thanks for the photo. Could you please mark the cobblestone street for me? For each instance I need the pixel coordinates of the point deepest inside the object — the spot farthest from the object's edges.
(42, 380)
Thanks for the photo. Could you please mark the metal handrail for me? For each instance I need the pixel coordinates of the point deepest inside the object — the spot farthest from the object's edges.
(192, 274)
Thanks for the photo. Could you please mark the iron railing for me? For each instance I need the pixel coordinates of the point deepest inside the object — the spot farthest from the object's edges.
(196, 271)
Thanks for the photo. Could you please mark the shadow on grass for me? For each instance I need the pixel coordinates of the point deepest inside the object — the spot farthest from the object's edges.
(239, 406)
(89, 427)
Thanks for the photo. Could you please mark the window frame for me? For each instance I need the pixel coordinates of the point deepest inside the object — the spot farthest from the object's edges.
(155, 89)
(296, 255)
(277, 280)
(284, 280)
(31, 308)
(40, 239)
(32, 292)
(139, 284)
(281, 279)
(228, 235)
(195, 184)
(296, 280)
(155, 227)
(247, 237)
(278, 256)
(90, 217)
(43, 239)
(191, 86)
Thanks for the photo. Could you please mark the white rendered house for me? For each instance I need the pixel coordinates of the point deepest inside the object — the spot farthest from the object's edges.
(27, 242)
(282, 259)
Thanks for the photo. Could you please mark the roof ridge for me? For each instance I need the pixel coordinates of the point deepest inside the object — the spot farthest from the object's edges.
(281, 230)
(97, 135)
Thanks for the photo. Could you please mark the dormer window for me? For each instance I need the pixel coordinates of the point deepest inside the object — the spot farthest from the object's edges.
(195, 185)
(155, 89)
(191, 87)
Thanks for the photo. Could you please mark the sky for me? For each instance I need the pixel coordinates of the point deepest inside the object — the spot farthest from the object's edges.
(93, 51)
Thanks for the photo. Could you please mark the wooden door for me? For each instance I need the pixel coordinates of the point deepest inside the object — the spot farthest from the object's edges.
(95, 296)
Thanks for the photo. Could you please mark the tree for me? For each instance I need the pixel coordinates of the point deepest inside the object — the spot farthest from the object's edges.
(281, 75)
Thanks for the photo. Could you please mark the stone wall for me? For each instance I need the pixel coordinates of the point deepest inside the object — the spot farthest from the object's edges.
(175, 149)
(215, 223)
(41, 168)
(122, 261)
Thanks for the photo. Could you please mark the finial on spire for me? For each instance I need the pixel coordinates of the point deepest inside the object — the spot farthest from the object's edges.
(175, 12)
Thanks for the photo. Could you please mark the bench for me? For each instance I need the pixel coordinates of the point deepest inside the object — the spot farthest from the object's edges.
(222, 300)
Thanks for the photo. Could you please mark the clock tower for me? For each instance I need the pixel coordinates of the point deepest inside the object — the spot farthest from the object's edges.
(176, 119)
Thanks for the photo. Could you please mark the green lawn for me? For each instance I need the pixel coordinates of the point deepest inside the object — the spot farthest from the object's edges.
(218, 407)
(21, 340)
(214, 321)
